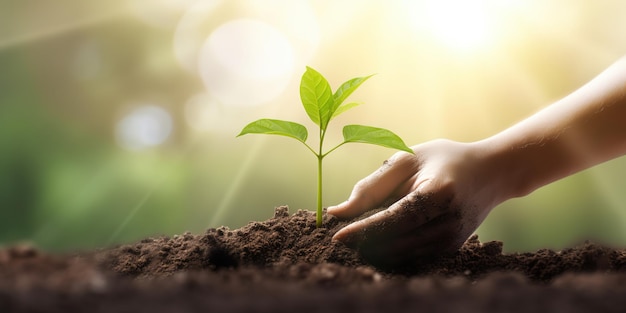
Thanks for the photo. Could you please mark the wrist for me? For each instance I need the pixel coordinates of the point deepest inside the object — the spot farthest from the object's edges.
(503, 170)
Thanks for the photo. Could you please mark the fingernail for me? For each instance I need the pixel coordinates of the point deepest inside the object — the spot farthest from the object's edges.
(344, 237)
(338, 239)
(335, 207)
(331, 209)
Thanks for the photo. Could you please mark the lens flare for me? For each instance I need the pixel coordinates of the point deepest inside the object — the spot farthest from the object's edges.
(144, 127)
(246, 62)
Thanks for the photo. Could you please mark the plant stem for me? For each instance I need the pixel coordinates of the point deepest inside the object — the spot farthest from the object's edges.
(320, 156)
(319, 191)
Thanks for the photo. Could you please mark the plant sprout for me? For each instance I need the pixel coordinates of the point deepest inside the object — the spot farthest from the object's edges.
(322, 105)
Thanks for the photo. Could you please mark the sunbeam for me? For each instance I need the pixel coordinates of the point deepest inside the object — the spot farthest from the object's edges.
(130, 216)
(30, 36)
(244, 169)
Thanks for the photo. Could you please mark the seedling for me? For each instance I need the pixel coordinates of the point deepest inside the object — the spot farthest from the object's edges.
(322, 105)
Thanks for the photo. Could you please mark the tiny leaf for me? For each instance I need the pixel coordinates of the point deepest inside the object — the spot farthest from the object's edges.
(317, 97)
(374, 135)
(276, 127)
(345, 107)
(346, 89)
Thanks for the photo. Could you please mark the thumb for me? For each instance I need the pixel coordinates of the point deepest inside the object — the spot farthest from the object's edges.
(375, 189)
(340, 210)
(357, 204)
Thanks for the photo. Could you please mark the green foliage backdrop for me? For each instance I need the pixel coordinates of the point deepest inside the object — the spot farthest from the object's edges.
(118, 120)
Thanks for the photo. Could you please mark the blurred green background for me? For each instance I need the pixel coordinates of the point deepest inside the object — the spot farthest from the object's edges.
(118, 118)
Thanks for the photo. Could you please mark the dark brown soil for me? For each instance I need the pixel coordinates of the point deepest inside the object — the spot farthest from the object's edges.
(286, 264)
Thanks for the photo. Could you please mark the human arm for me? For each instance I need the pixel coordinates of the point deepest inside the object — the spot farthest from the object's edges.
(584, 129)
(440, 195)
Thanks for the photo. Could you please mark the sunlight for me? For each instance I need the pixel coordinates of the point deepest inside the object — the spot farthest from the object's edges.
(463, 26)
(246, 62)
(458, 23)
(140, 204)
(218, 217)
(32, 31)
(295, 20)
(248, 59)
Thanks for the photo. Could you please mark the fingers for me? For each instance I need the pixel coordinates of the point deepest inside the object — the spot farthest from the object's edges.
(375, 189)
(403, 216)
(422, 244)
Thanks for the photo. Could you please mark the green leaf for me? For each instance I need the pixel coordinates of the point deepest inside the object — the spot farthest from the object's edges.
(317, 97)
(276, 127)
(346, 89)
(344, 107)
(374, 135)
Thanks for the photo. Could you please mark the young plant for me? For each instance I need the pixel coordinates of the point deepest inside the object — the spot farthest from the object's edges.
(322, 105)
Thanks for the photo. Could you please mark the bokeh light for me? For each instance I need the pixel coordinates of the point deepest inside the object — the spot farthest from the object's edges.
(144, 127)
(246, 62)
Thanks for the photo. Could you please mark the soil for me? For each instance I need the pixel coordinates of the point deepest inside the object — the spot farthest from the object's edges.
(286, 264)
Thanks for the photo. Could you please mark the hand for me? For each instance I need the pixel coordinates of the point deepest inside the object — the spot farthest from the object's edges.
(438, 197)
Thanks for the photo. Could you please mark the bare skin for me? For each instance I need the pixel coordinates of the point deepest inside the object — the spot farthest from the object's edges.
(439, 196)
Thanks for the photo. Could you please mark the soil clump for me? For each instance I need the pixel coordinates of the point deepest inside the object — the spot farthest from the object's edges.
(286, 264)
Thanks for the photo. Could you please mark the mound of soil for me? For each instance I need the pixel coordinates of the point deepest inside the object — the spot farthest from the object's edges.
(286, 264)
